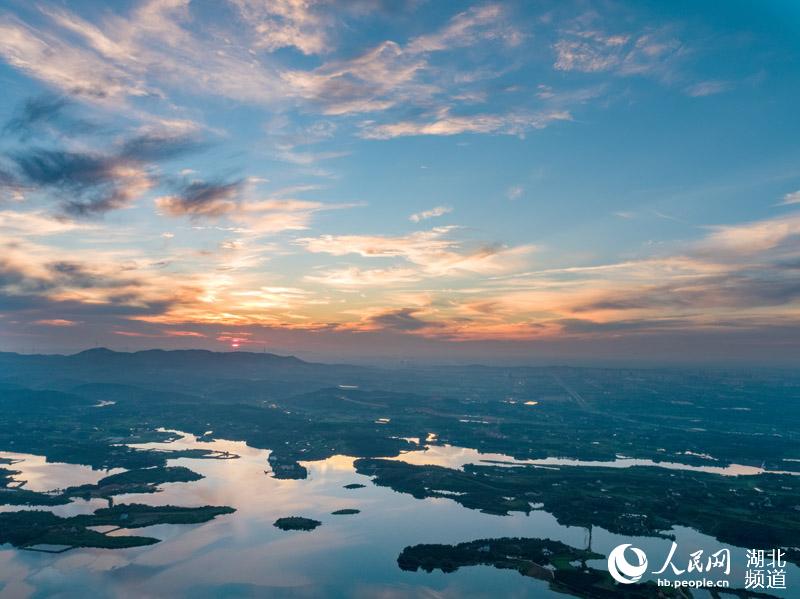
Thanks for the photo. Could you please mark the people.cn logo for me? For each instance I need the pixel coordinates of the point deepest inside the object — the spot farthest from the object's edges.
(621, 569)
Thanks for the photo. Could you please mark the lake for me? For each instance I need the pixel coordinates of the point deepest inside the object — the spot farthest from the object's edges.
(244, 555)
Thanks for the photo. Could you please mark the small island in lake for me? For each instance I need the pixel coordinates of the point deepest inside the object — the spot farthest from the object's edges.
(296, 523)
(346, 512)
(354, 486)
(564, 568)
(30, 529)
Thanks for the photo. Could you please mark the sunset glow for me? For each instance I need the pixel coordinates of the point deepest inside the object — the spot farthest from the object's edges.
(488, 178)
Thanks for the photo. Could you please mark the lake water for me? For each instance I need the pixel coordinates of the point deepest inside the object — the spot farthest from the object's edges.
(457, 457)
(243, 555)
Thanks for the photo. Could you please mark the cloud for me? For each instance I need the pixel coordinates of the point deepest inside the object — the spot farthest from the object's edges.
(202, 199)
(373, 81)
(276, 214)
(392, 74)
(286, 24)
(56, 322)
(88, 182)
(160, 144)
(378, 246)
(163, 46)
(734, 278)
(135, 55)
(732, 274)
(479, 23)
(432, 213)
(589, 51)
(791, 199)
(245, 209)
(735, 290)
(433, 251)
(582, 327)
(403, 319)
(37, 223)
(46, 110)
(586, 48)
(752, 238)
(290, 143)
(78, 288)
(515, 192)
(358, 277)
(444, 123)
(71, 69)
(707, 88)
(173, 333)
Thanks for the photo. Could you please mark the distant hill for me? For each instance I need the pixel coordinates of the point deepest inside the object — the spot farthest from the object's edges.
(186, 371)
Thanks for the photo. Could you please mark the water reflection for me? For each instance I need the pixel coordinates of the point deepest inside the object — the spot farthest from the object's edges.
(40, 475)
(243, 554)
(37, 474)
(457, 457)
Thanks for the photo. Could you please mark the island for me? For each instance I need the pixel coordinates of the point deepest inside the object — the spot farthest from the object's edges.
(142, 480)
(296, 523)
(563, 567)
(345, 512)
(354, 486)
(31, 529)
(654, 499)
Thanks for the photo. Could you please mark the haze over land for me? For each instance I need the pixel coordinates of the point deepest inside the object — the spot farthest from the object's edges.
(135, 473)
(506, 182)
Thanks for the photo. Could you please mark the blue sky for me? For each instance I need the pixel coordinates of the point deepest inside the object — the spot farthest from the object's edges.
(440, 180)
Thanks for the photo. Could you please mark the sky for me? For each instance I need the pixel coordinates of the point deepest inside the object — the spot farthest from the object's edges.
(377, 180)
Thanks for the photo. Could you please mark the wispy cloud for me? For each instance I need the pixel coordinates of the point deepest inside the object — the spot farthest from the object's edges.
(481, 23)
(707, 88)
(162, 47)
(587, 48)
(434, 251)
(56, 322)
(791, 199)
(286, 24)
(515, 192)
(133, 56)
(392, 74)
(402, 319)
(590, 51)
(202, 199)
(248, 212)
(74, 70)
(432, 213)
(38, 223)
(359, 277)
(701, 289)
(445, 123)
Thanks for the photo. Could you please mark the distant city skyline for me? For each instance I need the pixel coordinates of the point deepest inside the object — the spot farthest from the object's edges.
(372, 180)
